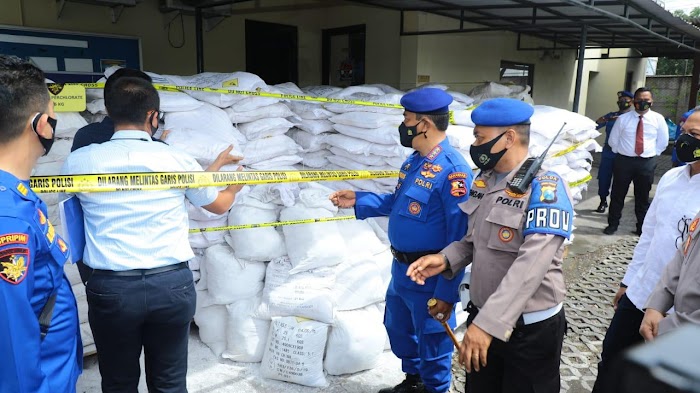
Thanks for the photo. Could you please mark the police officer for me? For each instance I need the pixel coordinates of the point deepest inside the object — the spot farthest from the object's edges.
(515, 244)
(624, 104)
(423, 218)
(40, 345)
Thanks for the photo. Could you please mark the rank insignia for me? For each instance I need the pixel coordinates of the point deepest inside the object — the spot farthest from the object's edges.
(13, 264)
(51, 233)
(414, 208)
(505, 234)
(42, 217)
(459, 189)
(479, 183)
(407, 166)
(694, 225)
(62, 245)
(402, 175)
(548, 192)
(437, 168)
(22, 189)
(434, 153)
(427, 165)
(686, 246)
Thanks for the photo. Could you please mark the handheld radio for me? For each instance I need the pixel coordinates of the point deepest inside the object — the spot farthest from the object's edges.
(522, 179)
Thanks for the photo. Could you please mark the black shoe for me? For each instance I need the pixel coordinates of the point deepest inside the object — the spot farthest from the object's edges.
(638, 231)
(603, 205)
(610, 229)
(412, 384)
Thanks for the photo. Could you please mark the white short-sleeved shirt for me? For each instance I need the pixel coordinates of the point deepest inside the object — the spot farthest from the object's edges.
(127, 230)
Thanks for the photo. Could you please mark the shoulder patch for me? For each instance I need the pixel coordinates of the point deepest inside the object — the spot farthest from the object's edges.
(549, 210)
(13, 238)
(14, 263)
(457, 175)
(458, 188)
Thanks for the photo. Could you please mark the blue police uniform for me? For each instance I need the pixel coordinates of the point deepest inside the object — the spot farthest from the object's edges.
(32, 256)
(605, 171)
(423, 216)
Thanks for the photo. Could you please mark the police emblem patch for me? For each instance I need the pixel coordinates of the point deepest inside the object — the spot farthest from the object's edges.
(13, 264)
(459, 189)
(457, 175)
(548, 192)
(513, 194)
(505, 234)
(479, 183)
(407, 166)
(13, 238)
(694, 225)
(414, 208)
(437, 168)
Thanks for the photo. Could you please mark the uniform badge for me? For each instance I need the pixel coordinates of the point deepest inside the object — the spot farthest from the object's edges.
(505, 234)
(402, 175)
(13, 264)
(437, 168)
(427, 174)
(22, 189)
(42, 217)
(13, 238)
(479, 183)
(398, 185)
(694, 225)
(62, 245)
(514, 194)
(427, 165)
(548, 192)
(51, 233)
(414, 208)
(434, 153)
(407, 166)
(459, 189)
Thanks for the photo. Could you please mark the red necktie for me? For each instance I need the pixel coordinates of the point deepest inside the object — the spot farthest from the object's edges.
(639, 140)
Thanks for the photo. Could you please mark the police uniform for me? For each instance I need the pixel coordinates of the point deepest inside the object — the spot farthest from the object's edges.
(515, 244)
(423, 217)
(32, 256)
(678, 287)
(605, 170)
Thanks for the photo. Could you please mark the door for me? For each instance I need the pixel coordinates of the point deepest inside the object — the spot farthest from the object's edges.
(272, 51)
(343, 56)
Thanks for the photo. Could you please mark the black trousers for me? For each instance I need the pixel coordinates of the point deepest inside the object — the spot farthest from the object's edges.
(527, 363)
(622, 334)
(152, 312)
(626, 170)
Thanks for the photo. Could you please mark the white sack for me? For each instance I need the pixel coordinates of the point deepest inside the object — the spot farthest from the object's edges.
(228, 279)
(357, 146)
(367, 120)
(245, 334)
(386, 135)
(231, 81)
(310, 110)
(267, 148)
(265, 128)
(460, 137)
(207, 239)
(255, 244)
(212, 326)
(309, 142)
(68, 124)
(356, 342)
(315, 126)
(208, 120)
(359, 158)
(316, 159)
(274, 110)
(279, 163)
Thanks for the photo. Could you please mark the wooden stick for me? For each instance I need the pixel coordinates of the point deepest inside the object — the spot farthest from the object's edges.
(451, 334)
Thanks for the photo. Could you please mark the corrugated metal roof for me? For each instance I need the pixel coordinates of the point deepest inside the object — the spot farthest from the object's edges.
(640, 24)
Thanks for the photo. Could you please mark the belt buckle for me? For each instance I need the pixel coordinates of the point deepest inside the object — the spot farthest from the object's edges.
(394, 253)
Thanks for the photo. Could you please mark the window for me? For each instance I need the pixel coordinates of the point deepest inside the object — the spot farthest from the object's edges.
(518, 73)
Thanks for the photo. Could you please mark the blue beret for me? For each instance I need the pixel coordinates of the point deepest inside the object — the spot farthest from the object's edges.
(428, 100)
(624, 93)
(501, 112)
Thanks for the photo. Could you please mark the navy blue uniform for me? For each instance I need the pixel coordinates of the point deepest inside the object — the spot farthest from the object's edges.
(605, 171)
(423, 216)
(32, 256)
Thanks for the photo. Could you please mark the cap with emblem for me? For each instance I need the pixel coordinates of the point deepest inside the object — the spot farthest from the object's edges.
(429, 101)
(502, 112)
(624, 93)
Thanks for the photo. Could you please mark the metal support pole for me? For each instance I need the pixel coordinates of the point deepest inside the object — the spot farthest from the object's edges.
(579, 68)
(694, 83)
(199, 38)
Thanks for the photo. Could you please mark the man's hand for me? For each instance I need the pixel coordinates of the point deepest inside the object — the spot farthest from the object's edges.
(224, 158)
(426, 267)
(234, 188)
(441, 311)
(649, 328)
(474, 349)
(618, 295)
(343, 199)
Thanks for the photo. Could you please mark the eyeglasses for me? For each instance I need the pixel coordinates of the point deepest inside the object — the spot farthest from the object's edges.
(683, 225)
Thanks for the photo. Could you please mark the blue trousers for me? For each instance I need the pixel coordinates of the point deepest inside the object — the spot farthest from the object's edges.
(152, 312)
(605, 172)
(417, 338)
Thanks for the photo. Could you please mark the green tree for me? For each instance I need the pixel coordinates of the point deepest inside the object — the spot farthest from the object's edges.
(667, 66)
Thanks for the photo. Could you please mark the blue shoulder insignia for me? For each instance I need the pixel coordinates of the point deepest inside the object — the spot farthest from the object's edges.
(549, 210)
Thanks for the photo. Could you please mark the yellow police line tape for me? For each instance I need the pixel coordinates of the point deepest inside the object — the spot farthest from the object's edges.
(281, 96)
(272, 224)
(170, 180)
(570, 148)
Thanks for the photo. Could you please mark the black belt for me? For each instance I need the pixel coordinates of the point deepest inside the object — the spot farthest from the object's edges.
(410, 257)
(141, 272)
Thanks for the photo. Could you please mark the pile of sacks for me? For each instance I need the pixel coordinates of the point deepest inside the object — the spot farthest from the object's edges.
(301, 299)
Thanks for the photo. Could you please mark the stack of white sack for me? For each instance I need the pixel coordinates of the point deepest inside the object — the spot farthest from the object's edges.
(488, 90)
(50, 165)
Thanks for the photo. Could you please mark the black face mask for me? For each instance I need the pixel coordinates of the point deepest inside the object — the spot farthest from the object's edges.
(150, 123)
(407, 133)
(623, 105)
(687, 148)
(482, 156)
(642, 105)
(45, 143)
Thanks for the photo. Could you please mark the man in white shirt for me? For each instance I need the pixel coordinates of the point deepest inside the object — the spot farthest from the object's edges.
(636, 139)
(666, 227)
(141, 293)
